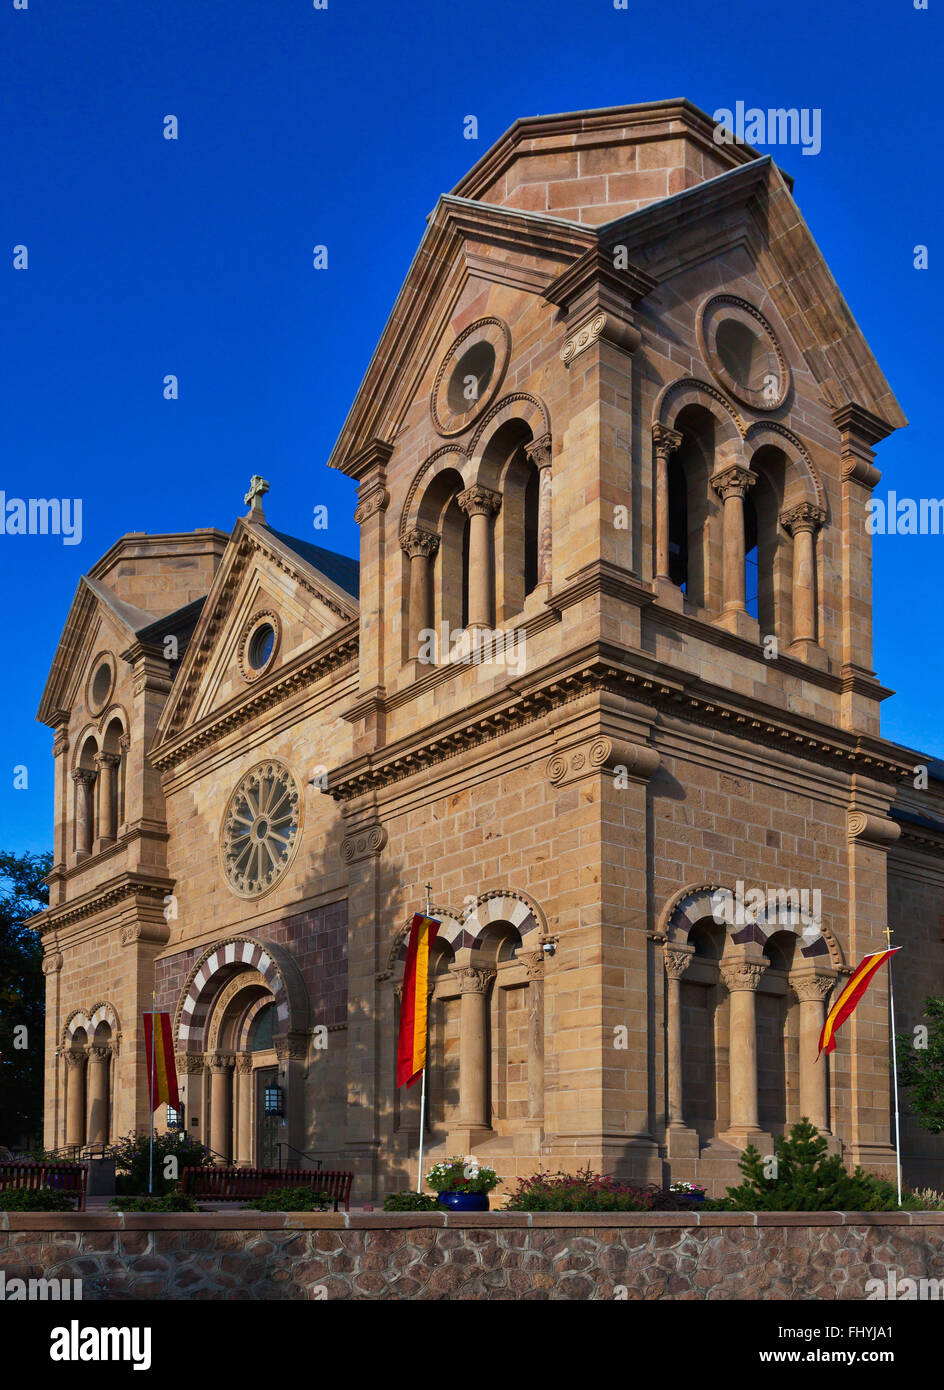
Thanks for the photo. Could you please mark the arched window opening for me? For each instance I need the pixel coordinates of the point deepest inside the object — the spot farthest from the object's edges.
(678, 525)
(531, 498)
(751, 559)
(466, 535)
(263, 1026)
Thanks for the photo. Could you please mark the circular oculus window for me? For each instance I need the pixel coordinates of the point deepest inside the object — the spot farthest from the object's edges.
(470, 375)
(260, 829)
(258, 644)
(743, 353)
(101, 683)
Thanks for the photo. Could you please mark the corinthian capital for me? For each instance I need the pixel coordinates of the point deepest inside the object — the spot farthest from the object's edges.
(806, 516)
(742, 974)
(474, 981)
(733, 482)
(677, 960)
(665, 441)
(539, 451)
(419, 542)
(479, 501)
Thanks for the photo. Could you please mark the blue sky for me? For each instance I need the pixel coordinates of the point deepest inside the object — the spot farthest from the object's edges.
(341, 127)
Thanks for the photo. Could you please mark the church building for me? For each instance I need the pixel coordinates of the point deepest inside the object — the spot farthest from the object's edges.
(602, 677)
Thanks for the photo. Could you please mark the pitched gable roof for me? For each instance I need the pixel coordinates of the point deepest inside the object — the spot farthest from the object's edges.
(340, 569)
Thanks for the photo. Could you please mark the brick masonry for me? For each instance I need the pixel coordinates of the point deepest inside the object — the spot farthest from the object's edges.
(495, 1255)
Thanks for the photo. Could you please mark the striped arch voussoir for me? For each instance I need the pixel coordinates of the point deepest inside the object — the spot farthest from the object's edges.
(217, 965)
(697, 902)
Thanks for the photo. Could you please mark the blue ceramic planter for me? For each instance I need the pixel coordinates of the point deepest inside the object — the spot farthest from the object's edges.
(464, 1201)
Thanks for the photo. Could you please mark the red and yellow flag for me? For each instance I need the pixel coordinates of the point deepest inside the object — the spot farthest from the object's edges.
(411, 1048)
(853, 991)
(161, 1066)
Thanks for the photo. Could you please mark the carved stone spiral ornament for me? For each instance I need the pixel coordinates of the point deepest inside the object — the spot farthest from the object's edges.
(260, 830)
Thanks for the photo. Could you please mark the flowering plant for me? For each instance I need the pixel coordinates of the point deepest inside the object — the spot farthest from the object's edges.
(589, 1191)
(688, 1189)
(462, 1175)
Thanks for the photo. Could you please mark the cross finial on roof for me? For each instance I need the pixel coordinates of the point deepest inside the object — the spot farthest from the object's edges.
(258, 487)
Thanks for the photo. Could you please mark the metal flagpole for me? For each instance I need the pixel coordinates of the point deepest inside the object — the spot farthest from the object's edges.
(891, 1001)
(419, 1173)
(151, 1099)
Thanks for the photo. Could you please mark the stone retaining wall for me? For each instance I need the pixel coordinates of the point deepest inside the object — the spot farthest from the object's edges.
(711, 1255)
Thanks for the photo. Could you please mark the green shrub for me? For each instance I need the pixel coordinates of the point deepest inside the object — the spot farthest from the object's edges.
(170, 1201)
(39, 1199)
(411, 1201)
(292, 1199)
(132, 1161)
(805, 1178)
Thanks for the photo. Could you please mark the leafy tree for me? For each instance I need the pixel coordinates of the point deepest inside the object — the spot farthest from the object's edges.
(805, 1178)
(23, 893)
(133, 1160)
(921, 1069)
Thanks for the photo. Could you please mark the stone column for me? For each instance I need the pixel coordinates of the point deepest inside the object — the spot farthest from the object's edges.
(190, 1068)
(533, 962)
(221, 1093)
(473, 1051)
(98, 1094)
(813, 990)
(742, 978)
(60, 748)
(480, 504)
(75, 1098)
(664, 444)
(803, 522)
(83, 779)
(244, 1144)
(731, 486)
(106, 819)
(121, 810)
(421, 546)
(682, 1142)
(539, 452)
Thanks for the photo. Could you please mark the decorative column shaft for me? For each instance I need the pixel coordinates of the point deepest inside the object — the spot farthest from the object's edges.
(664, 443)
(731, 486)
(99, 1058)
(244, 1109)
(421, 546)
(803, 522)
(84, 779)
(221, 1093)
(539, 452)
(473, 1046)
(105, 787)
(812, 992)
(533, 962)
(75, 1100)
(677, 961)
(742, 979)
(480, 504)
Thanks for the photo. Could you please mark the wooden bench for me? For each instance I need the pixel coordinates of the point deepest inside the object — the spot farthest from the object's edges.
(57, 1177)
(239, 1184)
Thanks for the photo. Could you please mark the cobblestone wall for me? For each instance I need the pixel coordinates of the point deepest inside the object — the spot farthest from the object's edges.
(828, 1255)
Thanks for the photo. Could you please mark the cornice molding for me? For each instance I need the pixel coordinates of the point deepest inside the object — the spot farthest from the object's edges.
(337, 651)
(597, 668)
(152, 891)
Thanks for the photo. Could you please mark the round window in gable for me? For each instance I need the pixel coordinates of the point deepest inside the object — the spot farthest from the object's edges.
(470, 375)
(743, 352)
(259, 644)
(100, 683)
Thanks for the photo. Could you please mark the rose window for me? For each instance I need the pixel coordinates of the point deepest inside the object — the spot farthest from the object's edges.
(260, 829)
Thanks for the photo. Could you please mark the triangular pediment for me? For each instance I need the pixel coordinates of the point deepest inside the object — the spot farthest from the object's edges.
(464, 238)
(754, 209)
(98, 620)
(300, 591)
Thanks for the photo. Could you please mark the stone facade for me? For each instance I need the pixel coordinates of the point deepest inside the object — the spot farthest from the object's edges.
(543, 1256)
(618, 436)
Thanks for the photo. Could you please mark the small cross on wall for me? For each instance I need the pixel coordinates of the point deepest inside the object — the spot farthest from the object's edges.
(258, 487)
